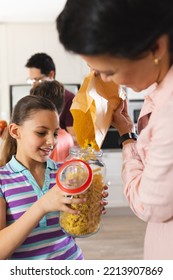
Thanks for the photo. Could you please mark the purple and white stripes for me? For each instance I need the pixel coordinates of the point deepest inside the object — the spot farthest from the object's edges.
(20, 191)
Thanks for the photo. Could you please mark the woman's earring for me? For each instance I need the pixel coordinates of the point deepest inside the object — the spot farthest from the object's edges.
(156, 60)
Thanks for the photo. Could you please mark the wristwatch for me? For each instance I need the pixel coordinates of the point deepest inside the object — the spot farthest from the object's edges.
(126, 136)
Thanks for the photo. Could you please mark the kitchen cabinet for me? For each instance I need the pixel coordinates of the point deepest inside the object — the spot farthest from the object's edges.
(113, 161)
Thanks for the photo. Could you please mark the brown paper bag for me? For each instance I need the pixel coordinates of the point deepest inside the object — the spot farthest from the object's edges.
(92, 110)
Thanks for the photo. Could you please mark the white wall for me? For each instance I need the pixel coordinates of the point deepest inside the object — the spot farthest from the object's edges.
(21, 40)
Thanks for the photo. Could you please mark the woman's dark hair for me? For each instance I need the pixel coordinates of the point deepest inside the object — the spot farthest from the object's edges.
(52, 90)
(122, 28)
(23, 111)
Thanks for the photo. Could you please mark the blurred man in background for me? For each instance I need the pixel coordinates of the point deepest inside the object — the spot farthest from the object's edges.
(41, 67)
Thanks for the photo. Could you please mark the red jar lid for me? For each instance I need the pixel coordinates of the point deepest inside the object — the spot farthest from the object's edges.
(74, 176)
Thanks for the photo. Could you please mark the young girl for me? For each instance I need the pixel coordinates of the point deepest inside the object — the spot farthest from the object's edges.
(55, 91)
(29, 199)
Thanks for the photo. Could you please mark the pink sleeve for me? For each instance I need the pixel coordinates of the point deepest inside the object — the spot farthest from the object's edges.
(149, 182)
(64, 142)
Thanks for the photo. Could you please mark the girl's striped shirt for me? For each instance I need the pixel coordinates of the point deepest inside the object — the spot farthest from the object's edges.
(20, 190)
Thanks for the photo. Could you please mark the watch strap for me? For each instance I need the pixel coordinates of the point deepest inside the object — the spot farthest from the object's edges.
(126, 136)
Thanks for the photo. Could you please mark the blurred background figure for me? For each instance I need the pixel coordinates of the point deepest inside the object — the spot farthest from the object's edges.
(41, 67)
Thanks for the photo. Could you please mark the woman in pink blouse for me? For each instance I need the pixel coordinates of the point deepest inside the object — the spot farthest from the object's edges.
(131, 43)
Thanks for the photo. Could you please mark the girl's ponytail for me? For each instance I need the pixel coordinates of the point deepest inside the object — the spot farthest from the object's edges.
(7, 148)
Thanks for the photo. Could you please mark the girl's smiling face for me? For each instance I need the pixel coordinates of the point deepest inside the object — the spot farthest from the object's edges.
(36, 137)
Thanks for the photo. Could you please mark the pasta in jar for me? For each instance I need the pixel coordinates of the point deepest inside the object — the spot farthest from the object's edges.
(88, 221)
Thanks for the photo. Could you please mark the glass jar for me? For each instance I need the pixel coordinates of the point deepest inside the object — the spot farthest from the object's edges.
(82, 175)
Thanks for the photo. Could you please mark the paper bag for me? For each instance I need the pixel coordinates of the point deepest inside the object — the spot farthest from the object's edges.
(92, 110)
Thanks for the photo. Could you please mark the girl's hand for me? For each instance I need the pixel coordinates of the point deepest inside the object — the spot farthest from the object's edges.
(121, 119)
(104, 202)
(55, 200)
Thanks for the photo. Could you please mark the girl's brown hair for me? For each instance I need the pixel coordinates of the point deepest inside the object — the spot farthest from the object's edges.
(22, 111)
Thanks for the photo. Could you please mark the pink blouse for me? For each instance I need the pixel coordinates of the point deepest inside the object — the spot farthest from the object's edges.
(147, 170)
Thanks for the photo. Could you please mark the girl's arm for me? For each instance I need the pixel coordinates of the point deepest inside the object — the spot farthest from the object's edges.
(12, 236)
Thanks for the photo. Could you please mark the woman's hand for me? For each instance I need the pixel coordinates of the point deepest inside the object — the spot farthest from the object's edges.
(121, 120)
(55, 200)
